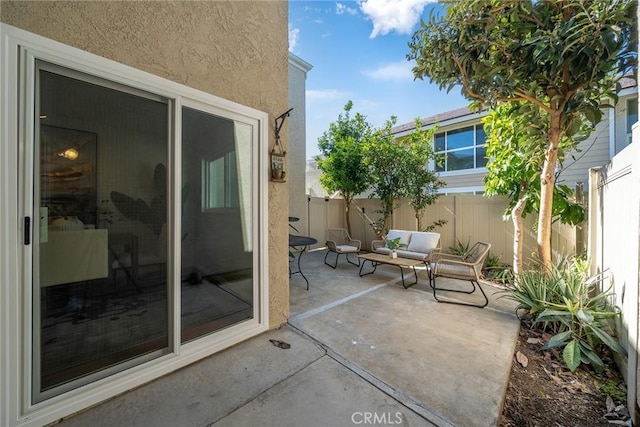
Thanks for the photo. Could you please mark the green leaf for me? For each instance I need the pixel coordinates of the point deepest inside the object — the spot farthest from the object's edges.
(608, 340)
(553, 313)
(584, 316)
(591, 357)
(557, 340)
(571, 355)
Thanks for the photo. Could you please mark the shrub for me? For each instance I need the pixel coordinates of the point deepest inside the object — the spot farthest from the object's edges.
(459, 248)
(564, 302)
(497, 271)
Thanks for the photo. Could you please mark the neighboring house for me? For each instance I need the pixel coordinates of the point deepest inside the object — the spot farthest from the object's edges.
(136, 209)
(297, 151)
(461, 137)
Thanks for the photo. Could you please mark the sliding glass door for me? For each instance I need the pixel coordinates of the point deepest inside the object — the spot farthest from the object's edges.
(217, 286)
(100, 289)
(143, 246)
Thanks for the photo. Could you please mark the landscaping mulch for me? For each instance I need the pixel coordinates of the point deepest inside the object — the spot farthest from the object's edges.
(543, 392)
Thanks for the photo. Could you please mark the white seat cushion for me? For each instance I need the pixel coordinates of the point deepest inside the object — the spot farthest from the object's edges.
(346, 248)
(423, 241)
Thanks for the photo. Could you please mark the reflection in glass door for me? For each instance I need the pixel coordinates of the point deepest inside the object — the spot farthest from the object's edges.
(100, 254)
(217, 287)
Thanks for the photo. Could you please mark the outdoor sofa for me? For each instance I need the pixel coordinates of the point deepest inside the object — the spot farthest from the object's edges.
(419, 245)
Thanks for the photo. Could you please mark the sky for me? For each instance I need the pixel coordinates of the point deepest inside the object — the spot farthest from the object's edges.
(358, 52)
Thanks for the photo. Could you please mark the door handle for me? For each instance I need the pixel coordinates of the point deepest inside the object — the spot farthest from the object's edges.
(27, 230)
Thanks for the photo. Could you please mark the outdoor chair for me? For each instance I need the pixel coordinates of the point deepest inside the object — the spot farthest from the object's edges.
(340, 242)
(464, 267)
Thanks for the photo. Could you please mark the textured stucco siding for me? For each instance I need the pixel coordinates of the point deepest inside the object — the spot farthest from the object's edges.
(235, 50)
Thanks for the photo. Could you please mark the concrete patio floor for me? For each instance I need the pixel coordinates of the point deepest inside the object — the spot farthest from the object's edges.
(364, 351)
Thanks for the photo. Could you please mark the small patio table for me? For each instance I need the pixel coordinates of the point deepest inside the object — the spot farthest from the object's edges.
(377, 259)
(300, 243)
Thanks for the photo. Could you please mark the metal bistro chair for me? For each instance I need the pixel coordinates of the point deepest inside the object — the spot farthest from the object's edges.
(465, 267)
(339, 242)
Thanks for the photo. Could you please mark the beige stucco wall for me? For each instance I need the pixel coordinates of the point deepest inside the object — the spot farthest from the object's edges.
(235, 50)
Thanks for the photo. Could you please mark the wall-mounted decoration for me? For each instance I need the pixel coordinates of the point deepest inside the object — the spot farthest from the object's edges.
(68, 173)
(278, 154)
(277, 167)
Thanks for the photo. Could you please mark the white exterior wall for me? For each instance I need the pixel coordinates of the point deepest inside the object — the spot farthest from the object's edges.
(297, 152)
(592, 152)
(464, 182)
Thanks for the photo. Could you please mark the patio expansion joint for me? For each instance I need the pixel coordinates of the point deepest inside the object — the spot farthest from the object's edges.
(336, 303)
(404, 399)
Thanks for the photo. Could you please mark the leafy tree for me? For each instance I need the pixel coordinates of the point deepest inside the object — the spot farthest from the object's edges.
(342, 163)
(421, 183)
(564, 57)
(384, 159)
(516, 148)
(399, 168)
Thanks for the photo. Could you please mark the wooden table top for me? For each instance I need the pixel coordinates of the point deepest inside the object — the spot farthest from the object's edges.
(386, 259)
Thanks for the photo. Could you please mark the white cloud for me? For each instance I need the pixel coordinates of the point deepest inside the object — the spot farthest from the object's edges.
(393, 15)
(395, 71)
(293, 37)
(342, 9)
(323, 95)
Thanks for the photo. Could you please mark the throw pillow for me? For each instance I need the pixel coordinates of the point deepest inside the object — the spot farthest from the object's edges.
(423, 242)
(403, 235)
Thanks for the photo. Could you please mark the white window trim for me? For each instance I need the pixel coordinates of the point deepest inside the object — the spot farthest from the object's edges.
(479, 171)
(457, 190)
(628, 125)
(15, 366)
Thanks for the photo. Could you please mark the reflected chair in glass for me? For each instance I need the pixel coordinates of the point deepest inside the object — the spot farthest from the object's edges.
(464, 267)
(340, 242)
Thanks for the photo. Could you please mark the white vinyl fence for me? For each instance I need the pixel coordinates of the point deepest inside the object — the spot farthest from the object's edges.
(614, 234)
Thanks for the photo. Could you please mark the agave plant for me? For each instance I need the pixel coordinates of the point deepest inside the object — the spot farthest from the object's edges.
(564, 301)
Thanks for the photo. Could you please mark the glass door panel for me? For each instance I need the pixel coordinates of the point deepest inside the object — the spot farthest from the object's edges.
(100, 258)
(217, 253)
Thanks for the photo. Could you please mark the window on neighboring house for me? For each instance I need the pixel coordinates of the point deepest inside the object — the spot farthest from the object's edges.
(461, 149)
(632, 114)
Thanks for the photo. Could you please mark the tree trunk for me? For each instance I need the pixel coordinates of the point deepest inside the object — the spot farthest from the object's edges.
(518, 234)
(547, 185)
(418, 222)
(347, 209)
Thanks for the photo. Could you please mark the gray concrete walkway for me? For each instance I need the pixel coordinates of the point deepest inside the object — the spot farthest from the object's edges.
(364, 351)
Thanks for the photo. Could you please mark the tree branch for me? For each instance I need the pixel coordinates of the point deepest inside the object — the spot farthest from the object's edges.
(465, 82)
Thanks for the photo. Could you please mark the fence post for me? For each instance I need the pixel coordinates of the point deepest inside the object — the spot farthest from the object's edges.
(593, 218)
(579, 228)
(455, 219)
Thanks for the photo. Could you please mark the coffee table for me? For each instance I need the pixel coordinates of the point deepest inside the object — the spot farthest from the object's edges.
(377, 259)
